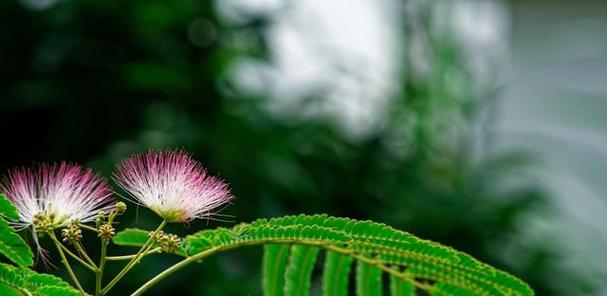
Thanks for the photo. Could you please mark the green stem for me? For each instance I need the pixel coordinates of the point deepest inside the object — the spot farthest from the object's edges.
(82, 252)
(102, 260)
(181, 264)
(66, 263)
(148, 244)
(78, 259)
(128, 257)
(88, 227)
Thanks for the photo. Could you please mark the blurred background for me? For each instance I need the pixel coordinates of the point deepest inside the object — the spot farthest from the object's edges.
(478, 124)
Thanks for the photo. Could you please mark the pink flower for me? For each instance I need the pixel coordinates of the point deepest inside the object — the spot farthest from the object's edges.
(173, 185)
(62, 192)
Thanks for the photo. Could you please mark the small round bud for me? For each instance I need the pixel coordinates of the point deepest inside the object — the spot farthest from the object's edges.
(158, 238)
(106, 231)
(100, 216)
(72, 233)
(170, 243)
(120, 207)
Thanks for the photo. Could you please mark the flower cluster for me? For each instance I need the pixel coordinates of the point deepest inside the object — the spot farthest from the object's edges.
(170, 183)
(50, 196)
(173, 185)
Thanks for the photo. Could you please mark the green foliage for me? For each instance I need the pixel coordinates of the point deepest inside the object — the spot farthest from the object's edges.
(7, 210)
(368, 280)
(399, 287)
(23, 281)
(133, 237)
(299, 271)
(275, 259)
(336, 273)
(6, 290)
(12, 245)
(376, 247)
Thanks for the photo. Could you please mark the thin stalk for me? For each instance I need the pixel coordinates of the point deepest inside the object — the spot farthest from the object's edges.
(128, 257)
(76, 257)
(181, 264)
(99, 274)
(82, 252)
(88, 227)
(148, 244)
(67, 263)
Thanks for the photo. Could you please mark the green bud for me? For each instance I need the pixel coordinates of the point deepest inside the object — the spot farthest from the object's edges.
(100, 216)
(120, 207)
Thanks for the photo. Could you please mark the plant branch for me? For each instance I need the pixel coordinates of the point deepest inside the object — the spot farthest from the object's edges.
(99, 274)
(82, 252)
(76, 257)
(88, 227)
(66, 263)
(320, 244)
(148, 244)
(128, 257)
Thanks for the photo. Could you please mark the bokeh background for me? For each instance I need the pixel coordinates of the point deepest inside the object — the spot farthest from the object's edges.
(478, 124)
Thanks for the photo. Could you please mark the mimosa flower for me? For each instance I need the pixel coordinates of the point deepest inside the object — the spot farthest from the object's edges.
(56, 193)
(173, 185)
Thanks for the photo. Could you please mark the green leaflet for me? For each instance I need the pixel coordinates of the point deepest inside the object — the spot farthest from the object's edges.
(429, 266)
(57, 291)
(11, 244)
(299, 271)
(28, 282)
(14, 247)
(399, 287)
(368, 280)
(6, 290)
(133, 237)
(275, 259)
(443, 289)
(7, 210)
(335, 274)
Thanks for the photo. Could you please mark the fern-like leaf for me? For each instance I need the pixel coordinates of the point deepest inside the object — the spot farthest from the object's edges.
(275, 261)
(376, 248)
(27, 282)
(299, 270)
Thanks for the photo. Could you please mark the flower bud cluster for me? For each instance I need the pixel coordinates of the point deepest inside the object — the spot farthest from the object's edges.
(106, 232)
(168, 242)
(43, 223)
(72, 233)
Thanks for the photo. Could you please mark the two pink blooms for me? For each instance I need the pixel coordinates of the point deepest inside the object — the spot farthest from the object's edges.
(170, 183)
